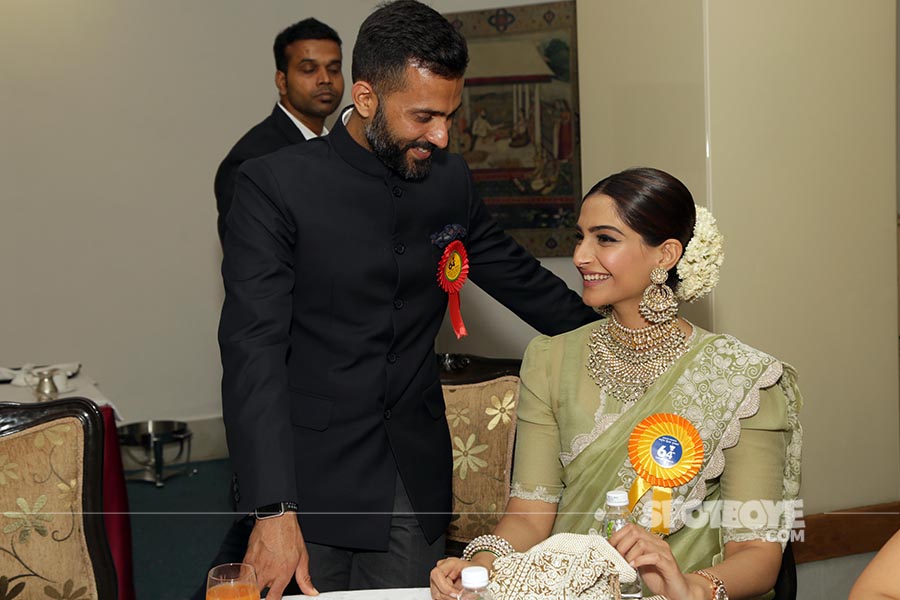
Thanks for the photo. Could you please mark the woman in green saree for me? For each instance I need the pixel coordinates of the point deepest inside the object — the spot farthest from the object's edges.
(721, 515)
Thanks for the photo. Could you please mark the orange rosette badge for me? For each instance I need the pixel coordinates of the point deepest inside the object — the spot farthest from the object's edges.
(666, 452)
(453, 270)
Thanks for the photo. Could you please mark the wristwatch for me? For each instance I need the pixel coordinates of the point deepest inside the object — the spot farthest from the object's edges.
(717, 585)
(270, 511)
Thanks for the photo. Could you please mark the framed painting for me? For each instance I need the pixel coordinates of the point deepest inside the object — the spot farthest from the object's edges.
(517, 127)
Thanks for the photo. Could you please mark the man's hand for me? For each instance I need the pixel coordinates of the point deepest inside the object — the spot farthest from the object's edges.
(277, 552)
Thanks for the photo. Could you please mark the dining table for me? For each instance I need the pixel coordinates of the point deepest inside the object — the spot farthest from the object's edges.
(115, 499)
(392, 594)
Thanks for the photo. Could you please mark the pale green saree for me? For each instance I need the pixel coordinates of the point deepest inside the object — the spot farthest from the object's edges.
(572, 441)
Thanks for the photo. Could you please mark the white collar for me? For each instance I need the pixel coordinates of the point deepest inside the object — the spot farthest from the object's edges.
(306, 131)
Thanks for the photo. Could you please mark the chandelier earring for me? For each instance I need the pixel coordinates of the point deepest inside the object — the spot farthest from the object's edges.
(658, 304)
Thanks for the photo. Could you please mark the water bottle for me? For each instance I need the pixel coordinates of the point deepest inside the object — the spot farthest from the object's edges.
(617, 516)
(474, 582)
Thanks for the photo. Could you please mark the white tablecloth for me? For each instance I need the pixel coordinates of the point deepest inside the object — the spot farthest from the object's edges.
(402, 594)
(82, 386)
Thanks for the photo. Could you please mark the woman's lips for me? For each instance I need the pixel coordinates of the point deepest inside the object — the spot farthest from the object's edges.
(591, 279)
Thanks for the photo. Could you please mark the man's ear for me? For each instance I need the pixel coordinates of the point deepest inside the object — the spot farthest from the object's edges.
(281, 82)
(365, 100)
(670, 253)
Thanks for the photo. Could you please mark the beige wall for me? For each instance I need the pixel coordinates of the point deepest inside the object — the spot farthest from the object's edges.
(803, 170)
(800, 117)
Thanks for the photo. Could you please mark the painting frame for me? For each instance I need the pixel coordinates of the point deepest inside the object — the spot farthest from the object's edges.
(517, 126)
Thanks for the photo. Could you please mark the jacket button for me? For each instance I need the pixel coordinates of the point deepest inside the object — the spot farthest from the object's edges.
(399, 248)
(387, 414)
(397, 191)
(392, 358)
(398, 303)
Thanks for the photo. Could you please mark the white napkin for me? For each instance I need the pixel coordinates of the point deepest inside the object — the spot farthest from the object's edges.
(25, 376)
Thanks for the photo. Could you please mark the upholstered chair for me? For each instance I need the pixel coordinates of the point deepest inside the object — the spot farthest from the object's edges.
(481, 396)
(52, 539)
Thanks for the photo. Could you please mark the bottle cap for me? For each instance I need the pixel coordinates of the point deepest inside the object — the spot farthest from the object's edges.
(617, 498)
(474, 577)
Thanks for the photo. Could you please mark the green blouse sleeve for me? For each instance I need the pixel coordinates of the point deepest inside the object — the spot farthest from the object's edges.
(753, 481)
(537, 471)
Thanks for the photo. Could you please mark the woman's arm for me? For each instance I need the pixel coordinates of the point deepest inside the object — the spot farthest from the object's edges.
(879, 580)
(524, 524)
(748, 570)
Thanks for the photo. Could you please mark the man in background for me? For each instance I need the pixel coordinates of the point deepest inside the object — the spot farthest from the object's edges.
(310, 86)
(308, 61)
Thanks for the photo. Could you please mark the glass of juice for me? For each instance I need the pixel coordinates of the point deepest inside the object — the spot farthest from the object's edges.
(232, 581)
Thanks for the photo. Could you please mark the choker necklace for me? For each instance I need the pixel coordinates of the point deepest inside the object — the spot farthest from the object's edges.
(625, 362)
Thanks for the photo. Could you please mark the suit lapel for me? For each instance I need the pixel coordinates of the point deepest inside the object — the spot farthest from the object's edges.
(287, 127)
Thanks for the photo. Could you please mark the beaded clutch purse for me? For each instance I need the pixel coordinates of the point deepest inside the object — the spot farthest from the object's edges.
(565, 565)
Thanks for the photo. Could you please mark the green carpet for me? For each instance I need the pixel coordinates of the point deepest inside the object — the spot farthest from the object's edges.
(176, 530)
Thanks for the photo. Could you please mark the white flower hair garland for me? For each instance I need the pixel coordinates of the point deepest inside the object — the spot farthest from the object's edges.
(698, 268)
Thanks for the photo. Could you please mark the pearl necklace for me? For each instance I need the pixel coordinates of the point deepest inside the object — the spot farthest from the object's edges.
(625, 362)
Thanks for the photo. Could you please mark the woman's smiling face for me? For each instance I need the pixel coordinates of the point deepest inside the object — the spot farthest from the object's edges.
(613, 259)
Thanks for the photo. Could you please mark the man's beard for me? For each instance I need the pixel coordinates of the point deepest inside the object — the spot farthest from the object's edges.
(392, 152)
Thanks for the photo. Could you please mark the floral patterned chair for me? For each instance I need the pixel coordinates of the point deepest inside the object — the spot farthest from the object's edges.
(481, 395)
(52, 539)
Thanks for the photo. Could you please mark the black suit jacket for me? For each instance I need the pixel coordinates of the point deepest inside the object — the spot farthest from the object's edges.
(330, 385)
(273, 133)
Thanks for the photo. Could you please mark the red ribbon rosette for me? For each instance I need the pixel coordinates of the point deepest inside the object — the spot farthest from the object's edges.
(453, 271)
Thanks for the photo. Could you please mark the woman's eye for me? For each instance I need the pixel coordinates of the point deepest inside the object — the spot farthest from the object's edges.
(606, 239)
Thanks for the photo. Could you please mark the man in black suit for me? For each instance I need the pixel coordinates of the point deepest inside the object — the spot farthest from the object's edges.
(333, 408)
(310, 86)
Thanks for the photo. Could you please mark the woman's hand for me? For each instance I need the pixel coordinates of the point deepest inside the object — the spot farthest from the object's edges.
(653, 558)
(445, 578)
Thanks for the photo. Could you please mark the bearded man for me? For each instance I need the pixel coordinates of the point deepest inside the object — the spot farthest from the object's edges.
(333, 409)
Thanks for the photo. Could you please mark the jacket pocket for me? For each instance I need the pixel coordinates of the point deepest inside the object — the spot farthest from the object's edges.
(310, 411)
(433, 398)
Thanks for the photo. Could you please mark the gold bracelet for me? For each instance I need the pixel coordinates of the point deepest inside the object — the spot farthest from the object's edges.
(494, 544)
(717, 585)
